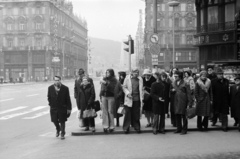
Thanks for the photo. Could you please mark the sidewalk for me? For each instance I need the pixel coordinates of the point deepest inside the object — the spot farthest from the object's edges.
(192, 126)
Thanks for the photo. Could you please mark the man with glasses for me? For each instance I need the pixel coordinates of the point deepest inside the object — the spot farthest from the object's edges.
(60, 105)
(220, 91)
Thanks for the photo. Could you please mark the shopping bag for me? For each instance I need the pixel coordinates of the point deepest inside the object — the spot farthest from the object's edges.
(97, 105)
(90, 113)
(121, 110)
(191, 112)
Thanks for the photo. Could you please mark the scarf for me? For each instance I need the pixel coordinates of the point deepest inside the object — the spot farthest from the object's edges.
(205, 86)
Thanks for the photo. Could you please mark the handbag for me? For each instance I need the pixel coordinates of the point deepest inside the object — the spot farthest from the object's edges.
(90, 113)
(97, 105)
(146, 96)
(191, 112)
(121, 110)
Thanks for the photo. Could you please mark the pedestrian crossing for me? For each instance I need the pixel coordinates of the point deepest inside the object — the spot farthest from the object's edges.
(26, 113)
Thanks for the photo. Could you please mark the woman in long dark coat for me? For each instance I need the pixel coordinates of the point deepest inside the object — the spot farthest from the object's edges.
(157, 94)
(148, 80)
(86, 98)
(235, 102)
(203, 95)
(182, 100)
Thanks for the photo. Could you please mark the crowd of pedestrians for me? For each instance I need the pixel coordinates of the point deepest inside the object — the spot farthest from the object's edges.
(157, 95)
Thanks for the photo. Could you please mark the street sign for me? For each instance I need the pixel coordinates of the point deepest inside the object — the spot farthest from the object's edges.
(55, 59)
(154, 38)
(154, 59)
(155, 49)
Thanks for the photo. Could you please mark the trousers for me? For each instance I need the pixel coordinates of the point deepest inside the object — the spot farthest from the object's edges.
(182, 122)
(107, 112)
(158, 124)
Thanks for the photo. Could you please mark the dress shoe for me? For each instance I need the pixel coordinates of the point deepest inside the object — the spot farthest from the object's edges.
(225, 129)
(161, 132)
(183, 133)
(177, 131)
(62, 136)
(154, 132)
(86, 129)
(57, 133)
(93, 130)
(111, 130)
(235, 124)
(105, 130)
(126, 131)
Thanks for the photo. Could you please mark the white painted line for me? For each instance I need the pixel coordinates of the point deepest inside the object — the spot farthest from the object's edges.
(38, 115)
(14, 109)
(46, 134)
(22, 113)
(6, 99)
(32, 95)
(52, 134)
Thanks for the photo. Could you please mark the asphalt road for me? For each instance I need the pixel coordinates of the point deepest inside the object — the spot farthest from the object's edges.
(27, 133)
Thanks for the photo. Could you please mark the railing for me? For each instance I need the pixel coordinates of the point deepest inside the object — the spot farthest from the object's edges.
(217, 27)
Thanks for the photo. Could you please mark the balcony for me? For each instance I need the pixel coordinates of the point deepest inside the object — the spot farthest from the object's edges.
(217, 27)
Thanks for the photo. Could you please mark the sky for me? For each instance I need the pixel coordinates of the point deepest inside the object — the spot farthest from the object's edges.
(110, 19)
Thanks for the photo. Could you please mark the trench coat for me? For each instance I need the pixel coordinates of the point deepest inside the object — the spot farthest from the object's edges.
(59, 103)
(147, 104)
(203, 98)
(86, 98)
(235, 101)
(182, 97)
(221, 96)
(157, 91)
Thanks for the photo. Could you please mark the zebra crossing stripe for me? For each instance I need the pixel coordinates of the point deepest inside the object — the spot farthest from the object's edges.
(11, 110)
(22, 113)
(38, 115)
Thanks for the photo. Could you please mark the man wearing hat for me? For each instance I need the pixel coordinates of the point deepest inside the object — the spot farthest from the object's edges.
(235, 101)
(148, 79)
(133, 101)
(220, 91)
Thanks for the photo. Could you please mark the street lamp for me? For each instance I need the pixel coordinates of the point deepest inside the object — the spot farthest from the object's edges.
(173, 4)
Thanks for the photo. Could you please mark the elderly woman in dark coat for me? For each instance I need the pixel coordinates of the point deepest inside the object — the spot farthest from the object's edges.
(157, 94)
(203, 95)
(235, 101)
(182, 100)
(86, 98)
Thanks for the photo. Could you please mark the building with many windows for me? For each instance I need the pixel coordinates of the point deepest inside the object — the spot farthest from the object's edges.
(184, 16)
(40, 39)
(218, 34)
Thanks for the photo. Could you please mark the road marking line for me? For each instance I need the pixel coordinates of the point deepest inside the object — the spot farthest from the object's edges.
(32, 95)
(52, 134)
(6, 99)
(46, 134)
(38, 115)
(22, 113)
(14, 109)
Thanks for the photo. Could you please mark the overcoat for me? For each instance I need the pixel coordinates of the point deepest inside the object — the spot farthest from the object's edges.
(182, 97)
(220, 90)
(59, 103)
(203, 95)
(167, 85)
(235, 101)
(118, 94)
(147, 104)
(77, 85)
(86, 98)
(127, 89)
(157, 91)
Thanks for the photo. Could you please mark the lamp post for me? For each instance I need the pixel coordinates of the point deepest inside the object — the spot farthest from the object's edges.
(173, 4)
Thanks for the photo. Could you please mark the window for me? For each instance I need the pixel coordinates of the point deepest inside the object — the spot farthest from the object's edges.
(190, 7)
(22, 42)
(38, 11)
(38, 26)
(229, 12)
(38, 41)
(9, 11)
(21, 11)
(10, 43)
(189, 21)
(212, 14)
(189, 39)
(9, 26)
(202, 17)
(176, 22)
(21, 26)
(177, 39)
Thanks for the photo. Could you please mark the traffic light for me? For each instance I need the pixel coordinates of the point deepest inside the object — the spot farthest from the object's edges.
(130, 44)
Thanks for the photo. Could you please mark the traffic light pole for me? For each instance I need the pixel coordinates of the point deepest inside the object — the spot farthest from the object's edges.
(130, 50)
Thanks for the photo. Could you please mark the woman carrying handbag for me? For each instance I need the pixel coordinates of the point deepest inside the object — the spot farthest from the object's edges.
(86, 102)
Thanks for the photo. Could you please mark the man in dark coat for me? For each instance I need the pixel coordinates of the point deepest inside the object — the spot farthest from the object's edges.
(60, 105)
(77, 85)
(220, 91)
(235, 102)
(211, 74)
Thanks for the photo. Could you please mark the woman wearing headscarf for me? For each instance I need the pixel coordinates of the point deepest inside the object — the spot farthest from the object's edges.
(203, 95)
(148, 80)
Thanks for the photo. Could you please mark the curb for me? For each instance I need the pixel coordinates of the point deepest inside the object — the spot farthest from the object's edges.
(117, 132)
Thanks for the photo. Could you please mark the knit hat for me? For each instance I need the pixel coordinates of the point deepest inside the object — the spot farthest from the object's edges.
(147, 72)
(203, 73)
(219, 71)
